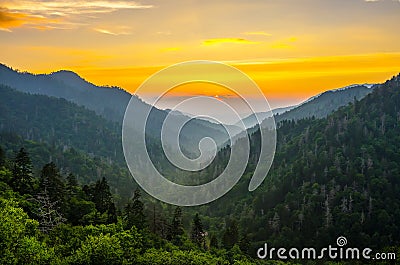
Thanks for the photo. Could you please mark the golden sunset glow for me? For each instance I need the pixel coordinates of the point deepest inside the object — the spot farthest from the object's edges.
(292, 49)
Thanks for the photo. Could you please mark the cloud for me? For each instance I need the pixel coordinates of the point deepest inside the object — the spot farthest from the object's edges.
(260, 33)
(210, 42)
(117, 30)
(64, 8)
(10, 20)
(58, 14)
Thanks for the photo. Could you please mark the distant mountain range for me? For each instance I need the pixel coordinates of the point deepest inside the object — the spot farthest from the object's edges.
(251, 120)
(318, 106)
(325, 103)
(109, 102)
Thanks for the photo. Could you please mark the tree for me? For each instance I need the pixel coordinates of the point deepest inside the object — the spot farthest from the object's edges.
(231, 235)
(48, 213)
(244, 243)
(214, 242)
(134, 212)
(98, 250)
(72, 185)
(101, 195)
(18, 237)
(52, 182)
(2, 157)
(23, 180)
(198, 235)
(177, 231)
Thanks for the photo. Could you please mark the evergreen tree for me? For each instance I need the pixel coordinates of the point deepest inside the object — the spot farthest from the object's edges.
(23, 180)
(214, 242)
(101, 195)
(231, 235)
(2, 157)
(72, 185)
(177, 227)
(244, 243)
(198, 234)
(112, 214)
(134, 212)
(71, 180)
(52, 182)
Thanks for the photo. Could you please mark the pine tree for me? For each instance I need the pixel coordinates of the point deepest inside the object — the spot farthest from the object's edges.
(214, 242)
(134, 212)
(198, 234)
(112, 214)
(177, 227)
(2, 157)
(244, 243)
(52, 182)
(100, 194)
(72, 185)
(231, 235)
(23, 180)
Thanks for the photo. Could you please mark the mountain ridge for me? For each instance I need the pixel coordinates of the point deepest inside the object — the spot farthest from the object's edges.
(109, 102)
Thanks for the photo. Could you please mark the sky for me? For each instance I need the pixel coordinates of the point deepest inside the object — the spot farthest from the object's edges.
(291, 49)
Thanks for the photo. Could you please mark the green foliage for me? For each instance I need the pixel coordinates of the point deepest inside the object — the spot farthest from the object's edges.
(98, 250)
(100, 194)
(231, 235)
(23, 180)
(56, 130)
(2, 157)
(134, 212)
(18, 241)
(198, 234)
(32, 251)
(177, 230)
(162, 257)
(52, 183)
(5, 175)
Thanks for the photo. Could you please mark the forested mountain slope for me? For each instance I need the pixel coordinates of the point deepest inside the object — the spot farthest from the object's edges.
(334, 176)
(108, 102)
(325, 103)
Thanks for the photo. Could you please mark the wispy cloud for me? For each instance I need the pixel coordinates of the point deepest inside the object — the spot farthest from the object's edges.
(227, 40)
(59, 14)
(10, 20)
(260, 33)
(117, 30)
(64, 8)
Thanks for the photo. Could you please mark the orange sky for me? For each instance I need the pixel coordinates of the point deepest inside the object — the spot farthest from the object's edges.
(296, 79)
(292, 49)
